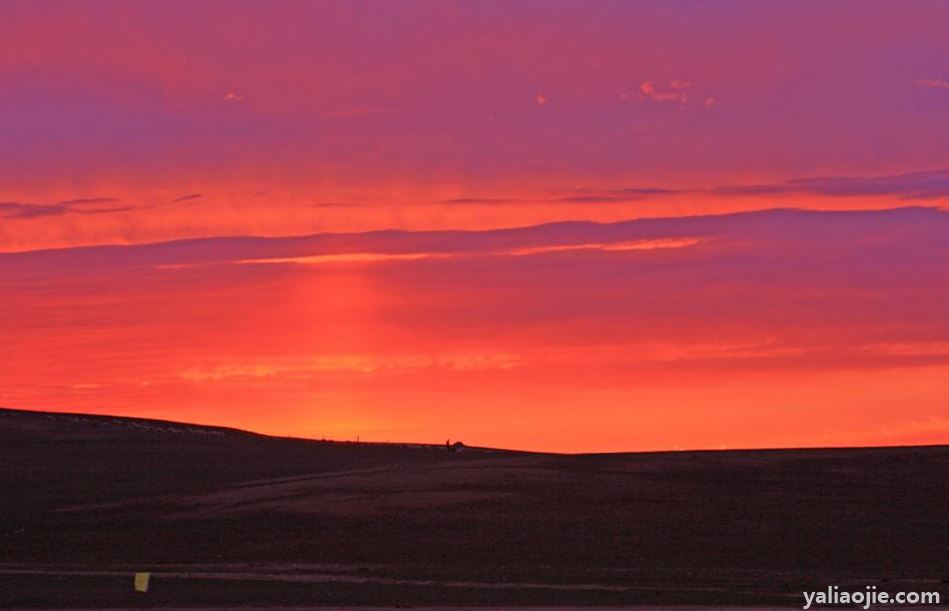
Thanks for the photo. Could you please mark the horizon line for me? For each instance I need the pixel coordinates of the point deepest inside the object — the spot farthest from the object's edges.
(4, 408)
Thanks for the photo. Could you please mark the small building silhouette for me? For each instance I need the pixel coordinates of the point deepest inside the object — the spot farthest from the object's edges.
(457, 447)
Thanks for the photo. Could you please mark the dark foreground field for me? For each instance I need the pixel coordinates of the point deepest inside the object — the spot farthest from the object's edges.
(223, 518)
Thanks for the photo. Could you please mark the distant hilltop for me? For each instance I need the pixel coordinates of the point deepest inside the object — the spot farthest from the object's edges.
(86, 426)
(119, 422)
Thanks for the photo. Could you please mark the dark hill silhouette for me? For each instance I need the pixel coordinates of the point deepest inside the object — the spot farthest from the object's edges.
(223, 517)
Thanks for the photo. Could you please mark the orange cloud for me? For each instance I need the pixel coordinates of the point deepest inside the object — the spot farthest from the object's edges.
(356, 363)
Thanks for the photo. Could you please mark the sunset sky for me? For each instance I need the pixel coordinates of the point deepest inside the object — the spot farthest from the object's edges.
(574, 226)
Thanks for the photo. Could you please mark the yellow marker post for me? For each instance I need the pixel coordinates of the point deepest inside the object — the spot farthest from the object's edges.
(141, 581)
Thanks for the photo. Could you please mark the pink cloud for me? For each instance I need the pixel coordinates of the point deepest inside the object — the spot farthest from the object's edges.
(934, 83)
(677, 91)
